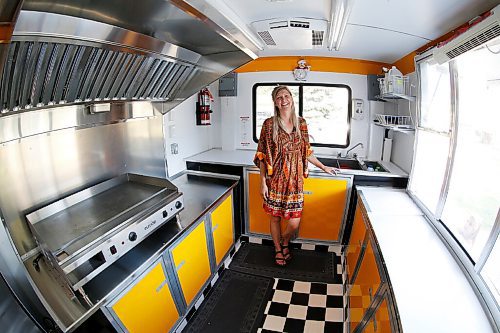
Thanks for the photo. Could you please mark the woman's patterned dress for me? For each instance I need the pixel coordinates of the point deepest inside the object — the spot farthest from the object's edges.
(286, 165)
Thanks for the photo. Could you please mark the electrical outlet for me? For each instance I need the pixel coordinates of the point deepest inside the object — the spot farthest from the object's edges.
(174, 148)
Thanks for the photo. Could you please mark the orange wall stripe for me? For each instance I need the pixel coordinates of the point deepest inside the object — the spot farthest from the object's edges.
(318, 64)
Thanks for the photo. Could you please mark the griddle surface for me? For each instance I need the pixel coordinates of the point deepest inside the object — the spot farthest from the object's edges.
(95, 215)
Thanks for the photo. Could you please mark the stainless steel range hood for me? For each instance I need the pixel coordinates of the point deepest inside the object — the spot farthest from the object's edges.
(65, 52)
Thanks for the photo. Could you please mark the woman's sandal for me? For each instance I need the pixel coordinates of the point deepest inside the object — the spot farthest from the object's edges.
(279, 261)
(288, 255)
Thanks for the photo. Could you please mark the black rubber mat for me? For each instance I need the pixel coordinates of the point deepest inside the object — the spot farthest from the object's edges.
(236, 304)
(305, 265)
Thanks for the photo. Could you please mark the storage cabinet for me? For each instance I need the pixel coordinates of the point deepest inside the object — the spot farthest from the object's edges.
(159, 297)
(366, 284)
(325, 203)
(369, 302)
(356, 242)
(222, 229)
(257, 219)
(148, 306)
(380, 320)
(192, 265)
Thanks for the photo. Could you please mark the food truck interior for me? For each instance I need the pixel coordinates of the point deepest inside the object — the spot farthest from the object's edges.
(129, 196)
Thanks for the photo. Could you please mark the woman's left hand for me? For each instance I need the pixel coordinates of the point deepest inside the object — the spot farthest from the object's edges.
(331, 170)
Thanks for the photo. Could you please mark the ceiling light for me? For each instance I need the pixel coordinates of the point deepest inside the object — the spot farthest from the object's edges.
(338, 22)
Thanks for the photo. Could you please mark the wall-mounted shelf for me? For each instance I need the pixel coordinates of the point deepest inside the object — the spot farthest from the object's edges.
(397, 128)
(396, 123)
(390, 97)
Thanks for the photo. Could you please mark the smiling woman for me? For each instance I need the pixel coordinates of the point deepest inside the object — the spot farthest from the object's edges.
(325, 107)
(282, 156)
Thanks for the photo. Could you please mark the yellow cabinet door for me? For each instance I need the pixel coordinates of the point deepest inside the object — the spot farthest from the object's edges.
(191, 262)
(258, 220)
(148, 306)
(365, 286)
(222, 228)
(358, 233)
(380, 321)
(324, 205)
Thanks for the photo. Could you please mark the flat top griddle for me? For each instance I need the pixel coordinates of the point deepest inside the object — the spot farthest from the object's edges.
(75, 228)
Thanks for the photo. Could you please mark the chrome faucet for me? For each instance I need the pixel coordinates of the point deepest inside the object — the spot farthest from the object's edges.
(356, 145)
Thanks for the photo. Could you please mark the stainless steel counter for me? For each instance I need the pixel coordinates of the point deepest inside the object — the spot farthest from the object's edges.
(201, 192)
(245, 158)
(431, 291)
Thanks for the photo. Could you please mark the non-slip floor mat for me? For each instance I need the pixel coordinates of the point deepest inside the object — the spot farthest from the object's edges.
(305, 265)
(236, 304)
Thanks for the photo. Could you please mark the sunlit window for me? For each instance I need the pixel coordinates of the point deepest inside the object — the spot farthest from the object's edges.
(433, 134)
(431, 158)
(326, 109)
(474, 193)
(457, 156)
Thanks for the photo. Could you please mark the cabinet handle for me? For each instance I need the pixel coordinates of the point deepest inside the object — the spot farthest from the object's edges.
(307, 192)
(370, 292)
(180, 265)
(160, 287)
(375, 323)
(215, 227)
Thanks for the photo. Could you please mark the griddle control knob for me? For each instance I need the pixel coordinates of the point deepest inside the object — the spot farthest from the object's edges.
(165, 214)
(178, 204)
(132, 236)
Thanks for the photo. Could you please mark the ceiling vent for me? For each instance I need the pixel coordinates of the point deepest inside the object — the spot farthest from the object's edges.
(484, 31)
(290, 34)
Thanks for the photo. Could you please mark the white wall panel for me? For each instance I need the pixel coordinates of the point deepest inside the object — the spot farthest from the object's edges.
(180, 128)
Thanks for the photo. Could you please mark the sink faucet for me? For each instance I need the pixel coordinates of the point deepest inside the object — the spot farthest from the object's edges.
(360, 144)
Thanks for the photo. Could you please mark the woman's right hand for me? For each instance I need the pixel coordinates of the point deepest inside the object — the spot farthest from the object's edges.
(264, 190)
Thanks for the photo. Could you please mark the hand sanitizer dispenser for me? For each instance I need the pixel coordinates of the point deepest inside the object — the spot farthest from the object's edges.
(358, 110)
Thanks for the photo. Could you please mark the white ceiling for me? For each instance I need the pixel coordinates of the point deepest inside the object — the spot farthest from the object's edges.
(377, 30)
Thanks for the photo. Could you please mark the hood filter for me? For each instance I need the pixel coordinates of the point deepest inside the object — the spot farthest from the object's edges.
(38, 74)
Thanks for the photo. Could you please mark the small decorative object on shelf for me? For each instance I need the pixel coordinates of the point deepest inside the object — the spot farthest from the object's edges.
(300, 72)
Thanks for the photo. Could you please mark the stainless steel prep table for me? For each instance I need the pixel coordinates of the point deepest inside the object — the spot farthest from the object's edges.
(201, 191)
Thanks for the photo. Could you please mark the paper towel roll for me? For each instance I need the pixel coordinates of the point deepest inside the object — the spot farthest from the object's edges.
(386, 152)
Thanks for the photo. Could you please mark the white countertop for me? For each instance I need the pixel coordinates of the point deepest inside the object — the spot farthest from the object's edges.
(245, 158)
(431, 291)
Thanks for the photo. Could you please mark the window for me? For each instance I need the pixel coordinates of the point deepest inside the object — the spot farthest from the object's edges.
(473, 196)
(433, 134)
(326, 109)
(457, 158)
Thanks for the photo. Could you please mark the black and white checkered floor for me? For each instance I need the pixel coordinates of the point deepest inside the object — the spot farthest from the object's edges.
(298, 306)
(305, 296)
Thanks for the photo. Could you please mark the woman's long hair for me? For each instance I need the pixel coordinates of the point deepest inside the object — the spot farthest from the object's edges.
(277, 121)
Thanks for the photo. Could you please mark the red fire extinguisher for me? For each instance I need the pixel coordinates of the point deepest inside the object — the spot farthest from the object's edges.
(203, 107)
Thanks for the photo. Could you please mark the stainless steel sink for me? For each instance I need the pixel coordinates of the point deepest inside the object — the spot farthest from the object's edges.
(352, 164)
(341, 163)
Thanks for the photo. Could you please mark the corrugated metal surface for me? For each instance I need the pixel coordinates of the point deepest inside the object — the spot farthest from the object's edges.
(42, 73)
